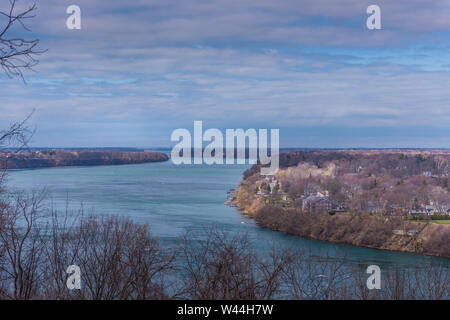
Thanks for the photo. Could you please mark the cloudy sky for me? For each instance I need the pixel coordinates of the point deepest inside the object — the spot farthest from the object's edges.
(138, 69)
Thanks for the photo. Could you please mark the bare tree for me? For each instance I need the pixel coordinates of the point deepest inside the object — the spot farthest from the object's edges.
(17, 54)
(21, 249)
(17, 135)
(15, 138)
(225, 267)
(325, 279)
(119, 260)
(442, 164)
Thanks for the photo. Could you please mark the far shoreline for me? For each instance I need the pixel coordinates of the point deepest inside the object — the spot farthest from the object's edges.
(81, 158)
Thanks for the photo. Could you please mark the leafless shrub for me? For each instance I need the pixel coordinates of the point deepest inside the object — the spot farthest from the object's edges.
(120, 260)
(314, 279)
(224, 267)
(60, 251)
(16, 137)
(20, 247)
(432, 282)
(427, 282)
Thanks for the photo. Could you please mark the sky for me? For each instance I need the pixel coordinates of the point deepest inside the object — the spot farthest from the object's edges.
(139, 69)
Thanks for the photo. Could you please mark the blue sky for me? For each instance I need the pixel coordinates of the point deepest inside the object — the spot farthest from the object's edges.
(139, 69)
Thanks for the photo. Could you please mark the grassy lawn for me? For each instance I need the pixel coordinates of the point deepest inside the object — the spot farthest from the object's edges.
(441, 221)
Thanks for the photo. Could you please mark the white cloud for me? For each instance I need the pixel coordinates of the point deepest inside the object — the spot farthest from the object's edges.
(162, 64)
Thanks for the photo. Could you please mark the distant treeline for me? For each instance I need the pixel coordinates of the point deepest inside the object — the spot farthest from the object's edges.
(58, 158)
(34, 149)
(399, 162)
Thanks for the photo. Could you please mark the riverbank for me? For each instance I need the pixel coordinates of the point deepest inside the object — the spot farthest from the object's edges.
(59, 158)
(384, 233)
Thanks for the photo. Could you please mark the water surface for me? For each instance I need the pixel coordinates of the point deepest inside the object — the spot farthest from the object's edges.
(176, 199)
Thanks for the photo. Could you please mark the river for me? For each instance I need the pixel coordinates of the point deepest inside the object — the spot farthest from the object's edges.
(176, 199)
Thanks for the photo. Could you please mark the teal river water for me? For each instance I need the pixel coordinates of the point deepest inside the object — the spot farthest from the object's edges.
(175, 199)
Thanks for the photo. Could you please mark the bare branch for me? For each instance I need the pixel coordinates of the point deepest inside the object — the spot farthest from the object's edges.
(17, 54)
